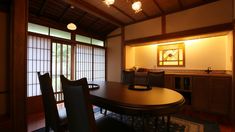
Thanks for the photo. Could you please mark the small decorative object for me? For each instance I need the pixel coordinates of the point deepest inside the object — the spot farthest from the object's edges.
(139, 87)
(93, 86)
(208, 70)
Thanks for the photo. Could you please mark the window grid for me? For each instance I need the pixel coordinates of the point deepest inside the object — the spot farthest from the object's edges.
(38, 58)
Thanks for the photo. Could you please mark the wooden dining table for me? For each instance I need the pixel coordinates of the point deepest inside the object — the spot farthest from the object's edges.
(117, 97)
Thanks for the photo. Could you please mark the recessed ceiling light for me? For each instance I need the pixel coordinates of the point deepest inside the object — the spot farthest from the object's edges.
(71, 26)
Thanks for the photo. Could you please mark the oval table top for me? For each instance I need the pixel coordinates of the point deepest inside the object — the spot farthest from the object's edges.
(117, 97)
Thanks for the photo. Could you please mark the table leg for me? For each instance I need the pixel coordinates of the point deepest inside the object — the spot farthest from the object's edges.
(168, 123)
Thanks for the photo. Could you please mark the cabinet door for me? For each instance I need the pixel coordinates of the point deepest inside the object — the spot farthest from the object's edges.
(200, 93)
(220, 95)
(169, 81)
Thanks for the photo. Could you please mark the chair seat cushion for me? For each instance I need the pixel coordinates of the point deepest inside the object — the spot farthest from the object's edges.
(108, 124)
(63, 115)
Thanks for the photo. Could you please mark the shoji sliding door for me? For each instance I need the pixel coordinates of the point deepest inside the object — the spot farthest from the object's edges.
(89, 62)
(38, 59)
(61, 65)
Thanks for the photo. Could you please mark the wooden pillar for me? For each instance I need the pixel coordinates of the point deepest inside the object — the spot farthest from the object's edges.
(233, 68)
(123, 49)
(18, 65)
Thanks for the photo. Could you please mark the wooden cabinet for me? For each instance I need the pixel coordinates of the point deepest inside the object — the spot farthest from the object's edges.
(220, 95)
(211, 94)
(200, 92)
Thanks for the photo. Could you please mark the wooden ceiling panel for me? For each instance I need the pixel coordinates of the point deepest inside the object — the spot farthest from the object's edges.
(93, 16)
(187, 3)
(109, 10)
(150, 8)
(124, 7)
(54, 8)
(169, 5)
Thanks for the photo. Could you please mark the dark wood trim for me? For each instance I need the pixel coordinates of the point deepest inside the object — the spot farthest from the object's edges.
(18, 65)
(64, 12)
(112, 36)
(4, 92)
(187, 33)
(163, 24)
(124, 13)
(83, 5)
(43, 7)
(159, 7)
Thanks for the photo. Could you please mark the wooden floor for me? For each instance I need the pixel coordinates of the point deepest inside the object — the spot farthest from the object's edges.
(37, 121)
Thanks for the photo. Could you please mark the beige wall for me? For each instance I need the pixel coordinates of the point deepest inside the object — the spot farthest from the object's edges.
(143, 29)
(130, 62)
(3, 59)
(229, 51)
(199, 54)
(114, 59)
(207, 15)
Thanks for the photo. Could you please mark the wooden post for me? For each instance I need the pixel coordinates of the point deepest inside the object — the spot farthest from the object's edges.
(18, 52)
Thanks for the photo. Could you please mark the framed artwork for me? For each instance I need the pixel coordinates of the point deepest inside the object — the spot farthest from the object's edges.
(171, 55)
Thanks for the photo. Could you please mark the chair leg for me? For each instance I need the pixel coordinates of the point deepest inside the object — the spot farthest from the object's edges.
(156, 123)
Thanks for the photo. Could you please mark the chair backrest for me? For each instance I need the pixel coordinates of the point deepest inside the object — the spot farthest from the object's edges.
(78, 107)
(128, 77)
(49, 102)
(156, 79)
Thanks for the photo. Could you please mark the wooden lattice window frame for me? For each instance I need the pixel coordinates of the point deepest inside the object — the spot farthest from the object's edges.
(165, 53)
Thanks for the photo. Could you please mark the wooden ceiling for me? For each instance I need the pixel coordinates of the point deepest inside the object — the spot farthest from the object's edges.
(94, 17)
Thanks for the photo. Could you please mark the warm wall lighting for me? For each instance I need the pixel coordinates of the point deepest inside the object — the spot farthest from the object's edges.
(71, 26)
(136, 6)
(109, 2)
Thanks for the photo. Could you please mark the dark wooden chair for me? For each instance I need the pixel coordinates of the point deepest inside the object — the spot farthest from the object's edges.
(80, 113)
(156, 79)
(128, 77)
(55, 119)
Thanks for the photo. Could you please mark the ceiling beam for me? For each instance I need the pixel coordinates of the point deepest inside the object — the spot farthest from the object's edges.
(85, 6)
(64, 12)
(181, 4)
(159, 7)
(43, 7)
(124, 13)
